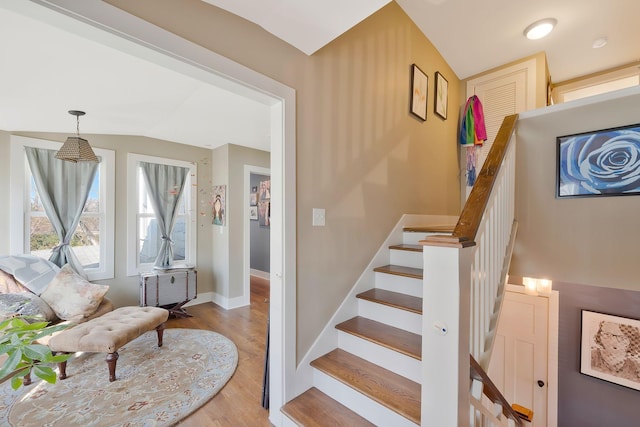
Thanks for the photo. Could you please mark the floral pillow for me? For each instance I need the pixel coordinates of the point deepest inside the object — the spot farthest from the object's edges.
(71, 297)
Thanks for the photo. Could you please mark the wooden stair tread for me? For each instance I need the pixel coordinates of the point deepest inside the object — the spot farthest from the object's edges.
(313, 408)
(393, 338)
(400, 270)
(393, 299)
(396, 392)
(407, 247)
(430, 229)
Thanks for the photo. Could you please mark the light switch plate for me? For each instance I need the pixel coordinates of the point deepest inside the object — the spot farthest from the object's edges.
(318, 217)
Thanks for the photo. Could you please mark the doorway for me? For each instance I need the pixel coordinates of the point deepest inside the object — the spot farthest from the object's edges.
(256, 233)
(95, 18)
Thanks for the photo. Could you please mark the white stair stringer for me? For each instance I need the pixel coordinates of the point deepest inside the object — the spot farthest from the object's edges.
(358, 402)
(398, 318)
(391, 360)
(394, 361)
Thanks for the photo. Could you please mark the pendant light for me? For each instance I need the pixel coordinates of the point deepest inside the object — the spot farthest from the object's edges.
(76, 149)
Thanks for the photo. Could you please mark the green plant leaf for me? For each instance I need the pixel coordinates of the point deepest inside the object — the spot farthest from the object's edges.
(11, 363)
(36, 351)
(16, 382)
(50, 330)
(45, 373)
(57, 358)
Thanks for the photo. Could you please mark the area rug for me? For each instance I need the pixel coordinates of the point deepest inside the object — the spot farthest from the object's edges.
(154, 386)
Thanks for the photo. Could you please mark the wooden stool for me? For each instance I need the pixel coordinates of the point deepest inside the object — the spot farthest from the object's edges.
(107, 333)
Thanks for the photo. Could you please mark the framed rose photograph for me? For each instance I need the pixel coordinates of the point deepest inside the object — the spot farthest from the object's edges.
(599, 163)
(610, 348)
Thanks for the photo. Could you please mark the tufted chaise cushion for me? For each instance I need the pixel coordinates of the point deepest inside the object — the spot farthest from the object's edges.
(109, 332)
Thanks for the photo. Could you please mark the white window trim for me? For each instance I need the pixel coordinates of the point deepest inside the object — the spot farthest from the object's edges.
(19, 196)
(132, 210)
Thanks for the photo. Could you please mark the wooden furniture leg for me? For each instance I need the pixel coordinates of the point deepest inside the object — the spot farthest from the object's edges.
(112, 359)
(160, 331)
(62, 366)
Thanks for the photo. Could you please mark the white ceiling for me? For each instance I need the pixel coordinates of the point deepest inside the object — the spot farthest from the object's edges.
(473, 36)
(47, 70)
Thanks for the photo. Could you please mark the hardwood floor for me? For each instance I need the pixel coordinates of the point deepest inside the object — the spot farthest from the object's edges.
(239, 402)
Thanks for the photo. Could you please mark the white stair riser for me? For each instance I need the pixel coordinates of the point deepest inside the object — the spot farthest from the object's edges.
(391, 360)
(406, 258)
(402, 284)
(358, 402)
(412, 238)
(395, 317)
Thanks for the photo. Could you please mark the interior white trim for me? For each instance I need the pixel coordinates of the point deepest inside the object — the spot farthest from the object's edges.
(552, 350)
(246, 230)
(170, 50)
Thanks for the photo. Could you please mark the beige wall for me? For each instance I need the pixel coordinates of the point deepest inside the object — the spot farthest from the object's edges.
(228, 240)
(360, 154)
(124, 290)
(588, 241)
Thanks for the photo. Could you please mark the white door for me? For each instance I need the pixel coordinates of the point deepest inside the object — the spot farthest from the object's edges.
(502, 93)
(520, 355)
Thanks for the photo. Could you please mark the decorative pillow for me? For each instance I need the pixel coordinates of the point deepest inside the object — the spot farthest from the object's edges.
(25, 304)
(8, 285)
(33, 272)
(72, 297)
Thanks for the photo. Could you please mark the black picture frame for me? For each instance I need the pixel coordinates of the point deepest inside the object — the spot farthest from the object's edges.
(441, 100)
(604, 162)
(419, 93)
(610, 348)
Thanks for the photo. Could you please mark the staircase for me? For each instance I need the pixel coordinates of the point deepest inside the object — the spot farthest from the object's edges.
(373, 377)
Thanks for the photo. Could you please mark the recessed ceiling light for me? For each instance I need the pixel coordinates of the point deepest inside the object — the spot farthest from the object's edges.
(539, 29)
(600, 42)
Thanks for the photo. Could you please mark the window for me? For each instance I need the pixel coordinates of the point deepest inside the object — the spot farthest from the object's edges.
(31, 229)
(144, 237)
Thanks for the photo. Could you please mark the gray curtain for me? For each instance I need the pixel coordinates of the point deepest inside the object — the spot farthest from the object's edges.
(165, 185)
(63, 188)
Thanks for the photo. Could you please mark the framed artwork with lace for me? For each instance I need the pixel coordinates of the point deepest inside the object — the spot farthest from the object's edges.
(610, 348)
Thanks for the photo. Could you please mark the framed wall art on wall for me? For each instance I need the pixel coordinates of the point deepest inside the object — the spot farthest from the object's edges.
(610, 348)
(419, 88)
(599, 163)
(442, 96)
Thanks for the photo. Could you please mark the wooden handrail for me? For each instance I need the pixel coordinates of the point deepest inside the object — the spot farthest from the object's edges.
(491, 391)
(464, 234)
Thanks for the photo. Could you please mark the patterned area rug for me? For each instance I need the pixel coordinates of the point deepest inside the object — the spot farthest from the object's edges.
(154, 386)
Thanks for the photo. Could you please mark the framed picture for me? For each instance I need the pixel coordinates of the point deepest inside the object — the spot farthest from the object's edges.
(599, 163)
(610, 348)
(442, 96)
(219, 204)
(419, 87)
(253, 199)
(253, 213)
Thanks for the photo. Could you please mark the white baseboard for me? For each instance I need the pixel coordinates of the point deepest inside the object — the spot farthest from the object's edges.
(260, 274)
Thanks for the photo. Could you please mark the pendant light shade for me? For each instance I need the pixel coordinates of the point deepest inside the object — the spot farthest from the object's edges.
(76, 149)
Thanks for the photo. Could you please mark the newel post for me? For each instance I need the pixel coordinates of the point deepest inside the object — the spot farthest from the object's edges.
(445, 334)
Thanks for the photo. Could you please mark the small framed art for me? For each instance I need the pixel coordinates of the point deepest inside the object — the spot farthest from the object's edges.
(419, 87)
(442, 96)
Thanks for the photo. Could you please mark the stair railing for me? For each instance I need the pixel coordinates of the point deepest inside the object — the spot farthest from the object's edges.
(464, 280)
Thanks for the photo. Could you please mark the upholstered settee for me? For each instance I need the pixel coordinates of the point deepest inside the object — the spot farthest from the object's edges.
(38, 289)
